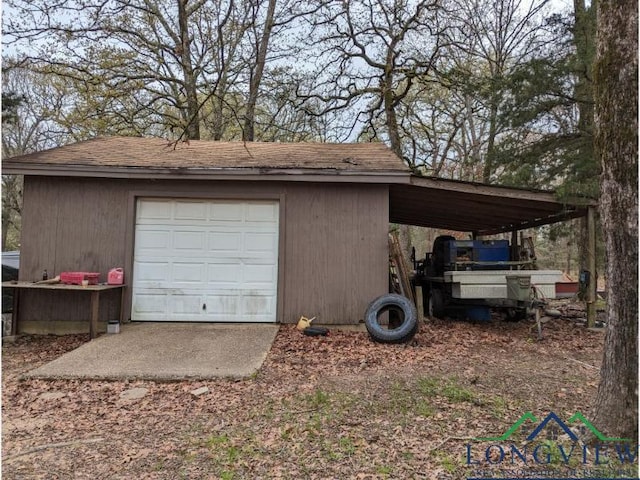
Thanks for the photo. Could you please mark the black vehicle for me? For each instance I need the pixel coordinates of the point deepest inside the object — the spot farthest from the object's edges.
(10, 268)
(467, 278)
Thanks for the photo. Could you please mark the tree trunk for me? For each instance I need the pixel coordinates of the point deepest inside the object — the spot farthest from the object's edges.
(391, 119)
(389, 101)
(488, 167)
(583, 40)
(5, 226)
(616, 94)
(248, 132)
(191, 92)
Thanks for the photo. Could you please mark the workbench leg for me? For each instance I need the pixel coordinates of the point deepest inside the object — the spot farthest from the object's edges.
(95, 307)
(14, 313)
(121, 305)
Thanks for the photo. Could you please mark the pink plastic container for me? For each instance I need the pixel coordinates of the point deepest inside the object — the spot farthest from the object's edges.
(115, 276)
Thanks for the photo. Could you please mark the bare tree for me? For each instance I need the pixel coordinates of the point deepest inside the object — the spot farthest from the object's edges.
(492, 38)
(255, 77)
(431, 120)
(30, 127)
(369, 54)
(169, 58)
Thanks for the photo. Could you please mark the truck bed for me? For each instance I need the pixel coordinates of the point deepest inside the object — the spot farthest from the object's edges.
(492, 284)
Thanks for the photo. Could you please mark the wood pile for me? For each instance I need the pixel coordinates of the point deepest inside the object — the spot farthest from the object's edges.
(399, 269)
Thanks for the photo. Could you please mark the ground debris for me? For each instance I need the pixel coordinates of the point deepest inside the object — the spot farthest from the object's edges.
(320, 407)
(199, 391)
(134, 393)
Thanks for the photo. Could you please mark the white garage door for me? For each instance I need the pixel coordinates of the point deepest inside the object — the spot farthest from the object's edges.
(205, 261)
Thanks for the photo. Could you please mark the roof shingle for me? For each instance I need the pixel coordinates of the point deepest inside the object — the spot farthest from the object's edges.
(198, 154)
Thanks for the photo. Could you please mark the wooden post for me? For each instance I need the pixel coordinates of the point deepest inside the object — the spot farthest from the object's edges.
(122, 302)
(419, 303)
(591, 266)
(14, 313)
(95, 308)
(514, 257)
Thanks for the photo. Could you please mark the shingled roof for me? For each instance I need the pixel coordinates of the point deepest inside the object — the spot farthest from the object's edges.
(413, 200)
(157, 153)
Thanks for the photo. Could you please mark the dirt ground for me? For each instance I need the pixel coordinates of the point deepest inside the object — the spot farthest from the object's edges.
(338, 407)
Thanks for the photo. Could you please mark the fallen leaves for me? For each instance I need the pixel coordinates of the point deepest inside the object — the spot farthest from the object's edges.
(339, 406)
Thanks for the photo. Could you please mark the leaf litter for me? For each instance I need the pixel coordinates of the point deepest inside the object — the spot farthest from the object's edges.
(339, 406)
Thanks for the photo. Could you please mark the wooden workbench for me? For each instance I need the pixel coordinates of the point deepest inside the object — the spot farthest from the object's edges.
(93, 289)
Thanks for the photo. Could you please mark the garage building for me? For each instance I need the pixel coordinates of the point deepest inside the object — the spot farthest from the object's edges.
(235, 232)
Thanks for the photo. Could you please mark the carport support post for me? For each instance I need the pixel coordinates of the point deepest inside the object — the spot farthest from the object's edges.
(419, 303)
(591, 265)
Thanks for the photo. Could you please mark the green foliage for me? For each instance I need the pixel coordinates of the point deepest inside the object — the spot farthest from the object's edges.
(457, 394)
(317, 400)
(384, 470)
(447, 462)
(550, 145)
(10, 103)
(428, 386)
(217, 440)
(449, 389)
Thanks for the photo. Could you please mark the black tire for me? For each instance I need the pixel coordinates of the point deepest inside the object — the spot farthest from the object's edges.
(515, 314)
(315, 331)
(404, 331)
(436, 303)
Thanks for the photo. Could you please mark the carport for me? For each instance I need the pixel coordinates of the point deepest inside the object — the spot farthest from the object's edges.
(475, 207)
(488, 210)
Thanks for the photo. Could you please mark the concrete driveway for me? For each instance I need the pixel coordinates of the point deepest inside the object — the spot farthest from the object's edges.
(167, 351)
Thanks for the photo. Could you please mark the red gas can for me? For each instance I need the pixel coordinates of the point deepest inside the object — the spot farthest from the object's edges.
(115, 276)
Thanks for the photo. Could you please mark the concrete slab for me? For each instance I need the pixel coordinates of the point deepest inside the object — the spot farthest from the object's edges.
(167, 351)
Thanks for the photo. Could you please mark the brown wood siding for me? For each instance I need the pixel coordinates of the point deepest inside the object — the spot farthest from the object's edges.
(336, 251)
(333, 250)
(70, 225)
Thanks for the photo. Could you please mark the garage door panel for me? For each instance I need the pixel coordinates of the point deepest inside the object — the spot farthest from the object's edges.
(225, 242)
(260, 242)
(185, 304)
(259, 228)
(257, 308)
(184, 272)
(149, 271)
(151, 210)
(153, 239)
(189, 240)
(255, 275)
(226, 212)
(222, 304)
(149, 305)
(185, 210)
(255, 304)
(261, 212)
(224, 274)
(218, 254)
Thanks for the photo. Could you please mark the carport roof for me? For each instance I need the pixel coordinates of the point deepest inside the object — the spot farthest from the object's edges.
(474, 207)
